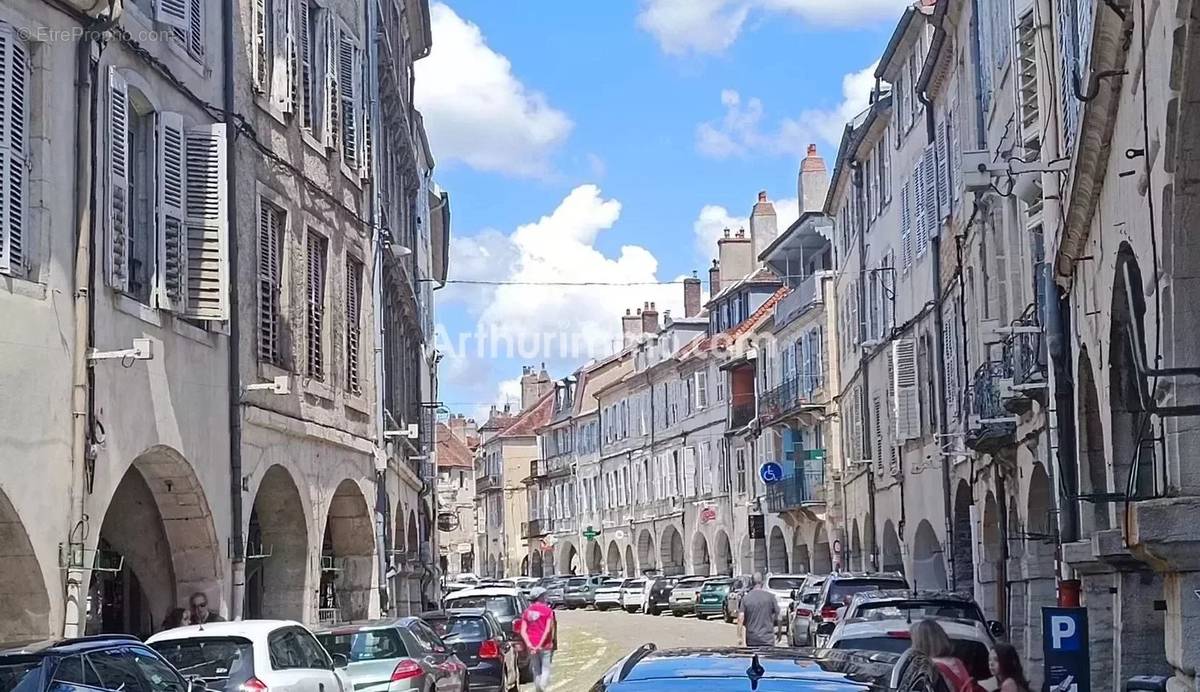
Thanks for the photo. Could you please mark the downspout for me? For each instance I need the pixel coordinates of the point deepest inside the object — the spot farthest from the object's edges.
(236, 543)
(84, 311)
(865, 396)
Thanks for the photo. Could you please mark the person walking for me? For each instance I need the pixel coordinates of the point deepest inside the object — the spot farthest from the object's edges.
(1005, 665)
(758, 621)
(200, 613)
(930, 639)
(539, 630)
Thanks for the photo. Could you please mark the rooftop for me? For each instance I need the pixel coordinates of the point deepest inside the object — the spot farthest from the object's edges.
(451, 451)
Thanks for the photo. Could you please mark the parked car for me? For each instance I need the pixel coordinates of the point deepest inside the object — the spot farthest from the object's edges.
(479, 642)
(733, 599)
(608, 594)
(803, 604)
(781, 587)
(113, 663)
(254, 655)
(506, 605)
(660, 594)
(633, 594)
(396, 654)
(710, 600)
(836, 592)
(555, 591)
(467, 578)
(970, 638)
(581, 591)
(683, 596)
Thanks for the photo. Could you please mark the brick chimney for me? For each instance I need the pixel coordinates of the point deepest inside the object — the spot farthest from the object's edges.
(737, 257)
(714, 278)
(813, 183)
(534, 385)
(631, 327)
(764, 226)
(649, 319)
(691, 296)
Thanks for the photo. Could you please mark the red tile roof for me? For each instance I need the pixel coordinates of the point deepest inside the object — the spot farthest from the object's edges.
(532, 418)
(707, 343)
(451, 451)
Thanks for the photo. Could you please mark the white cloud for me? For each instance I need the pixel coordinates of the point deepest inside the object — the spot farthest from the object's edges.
(742, 132)
(710, 26)
(713, 219)
(476, 111)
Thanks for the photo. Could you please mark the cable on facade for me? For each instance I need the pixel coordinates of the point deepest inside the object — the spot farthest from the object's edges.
(483, 282)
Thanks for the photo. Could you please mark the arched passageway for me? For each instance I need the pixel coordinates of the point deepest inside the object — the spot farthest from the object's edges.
(630, 564)
(23, 596)
(671, 551)
(157, 547)
(347, 556)
(723, 562)
(277, 550)
(614, 559)
(535, 562)
(892, 558)
(568, 559)
(822, 556)
(929, 567)
(525, 566)
(701, 562)
(595, 561)
(964, 559)
(1093, 464)
(1132, 459)
(777, 556)
(647, 552)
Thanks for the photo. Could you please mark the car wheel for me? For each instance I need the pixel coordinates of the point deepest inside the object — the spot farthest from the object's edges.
(701, 616)
(726, 615)
(677, 613)
(653, 611)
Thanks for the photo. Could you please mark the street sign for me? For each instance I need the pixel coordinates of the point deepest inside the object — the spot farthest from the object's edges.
(590, 533)
(1065, 649)
(814, 455)
(770, 473)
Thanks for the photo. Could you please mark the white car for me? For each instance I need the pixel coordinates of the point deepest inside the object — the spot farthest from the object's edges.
(633, 594)
(971, 640)
(781, 587)
(467, 578)
(608, 594)
(254, 656)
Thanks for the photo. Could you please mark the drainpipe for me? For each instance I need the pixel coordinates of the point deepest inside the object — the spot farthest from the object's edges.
(84, 310)
(237, 545)
(865, 396)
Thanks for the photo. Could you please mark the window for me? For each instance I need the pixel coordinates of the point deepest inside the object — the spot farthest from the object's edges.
(316, 262)
(116, 670)
(14, 117)
(740, 469)
(701, 389)
(272, 227)
(309, 81)
(354, 283)
(159, 676)
(347, 96)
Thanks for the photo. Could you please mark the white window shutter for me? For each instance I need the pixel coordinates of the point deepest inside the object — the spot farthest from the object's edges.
(347, 63)
(950, 345)
(172, 185)
(117, 244)
(906, 223)
(877, 434)
(689, 472)
(943, 171)
(14, 81)
(905, 390)
(172, 13)
(195, 31)
(929, 161)
(283, 53)
(305, 74)
(262, 52)
(918, 220)
(330, 118)
(207, 224)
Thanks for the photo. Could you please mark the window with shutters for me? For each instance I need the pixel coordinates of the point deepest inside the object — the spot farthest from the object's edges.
(310, 72)
(354, 284)
(272, 229)
(15, 75)
(317, 247)
(905, 392)
(877, 413)
(140, 168)
(906, 223)
(189, 35)
(701, 389)
(950, 346)
(348, 95)
(739, 456)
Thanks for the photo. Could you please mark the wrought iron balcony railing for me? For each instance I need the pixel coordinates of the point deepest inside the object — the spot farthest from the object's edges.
(1025, 354)
(535, 528)
(742, 409)
(793, 393)
(489, 481)
(803, 485)
(990, 426)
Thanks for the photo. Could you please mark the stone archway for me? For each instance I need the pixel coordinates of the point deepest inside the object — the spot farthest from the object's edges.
(929, 567)
(822, 556)
(157, 546)
(647, 552)
(525, 566)
(758, 546)
(777, 555)
(1133, 457)
(671, 551)
(701, 562)
(23, 596)
(723, 561)
(614, 559)
(855, 547)
(893, 559)
(277, 550)
(535, 562)
(1093, 467)
(595, 558)
(964, 548)
(801, 561)
(1039, 566)
(568, 559)
(630, 564)
(347, 556)
(413, 545)
(991, 568)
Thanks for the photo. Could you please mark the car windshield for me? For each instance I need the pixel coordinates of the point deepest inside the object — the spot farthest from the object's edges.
(916, 610)
(841, 590)
(973, 654)
(499, 605)
(721, 586)
(212, 658)
(784, 583)
(367, 645)
(576, 581)
(19, 673)
(471, 629)
(635, 583)
(613, 582)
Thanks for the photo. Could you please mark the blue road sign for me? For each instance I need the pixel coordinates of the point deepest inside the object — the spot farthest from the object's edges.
(770, 472)
(1065, 647)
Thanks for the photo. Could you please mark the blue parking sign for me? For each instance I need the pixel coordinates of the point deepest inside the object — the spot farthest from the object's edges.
(770, 473)
(1065, 647)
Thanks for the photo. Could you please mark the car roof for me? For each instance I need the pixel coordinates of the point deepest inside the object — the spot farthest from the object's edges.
(453, 613)
(955, 629)
(838, 576)
(239, 628)
(484, 591)
(50, 647)
(650, 670)
(907, 595)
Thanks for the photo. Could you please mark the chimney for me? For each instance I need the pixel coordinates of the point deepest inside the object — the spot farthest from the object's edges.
(714, 278)
(813, 184)
(649, 319)
(691, 296)
(764, 226)
(736, 256)
(631, 327)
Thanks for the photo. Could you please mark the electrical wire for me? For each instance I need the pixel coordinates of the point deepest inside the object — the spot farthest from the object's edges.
(482, 282)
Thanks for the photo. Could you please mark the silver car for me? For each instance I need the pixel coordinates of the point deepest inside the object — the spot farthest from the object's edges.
(395, 654)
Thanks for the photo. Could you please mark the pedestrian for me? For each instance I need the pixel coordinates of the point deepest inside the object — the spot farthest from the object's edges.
(200, 614)
(178, 617)
(930, 639)
(758, 618)
(539, 630)
(1005, 665)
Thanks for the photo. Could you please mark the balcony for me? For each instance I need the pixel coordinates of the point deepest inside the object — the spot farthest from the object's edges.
(990, 425)
(1025, 355)
(794, 393)
(805, 295)
(488, 482)
(535, 528)
(536, 472)
(802, 486)
(742, 408)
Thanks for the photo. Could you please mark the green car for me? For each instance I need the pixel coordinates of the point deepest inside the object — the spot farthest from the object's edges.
(710, 600)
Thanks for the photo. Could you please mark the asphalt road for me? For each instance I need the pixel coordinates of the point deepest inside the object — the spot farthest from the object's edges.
(590, 642)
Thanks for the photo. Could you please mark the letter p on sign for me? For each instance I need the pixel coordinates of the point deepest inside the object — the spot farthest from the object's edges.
(1062, 633)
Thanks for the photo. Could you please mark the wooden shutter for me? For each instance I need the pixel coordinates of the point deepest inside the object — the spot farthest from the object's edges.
(171, 182)
(877, 433)
(195, 32)
(950, 348)
(172, 13)
(942, 147)
(689, 471)
(307, 59)
(347, 63)
(329, 95)
(207, 224)
(117, 244)
(315, 278)
(270, 229)
(905, 390)
(14, 81)
(283, 55)
(906, 223)
(354, 282)
(262, 47)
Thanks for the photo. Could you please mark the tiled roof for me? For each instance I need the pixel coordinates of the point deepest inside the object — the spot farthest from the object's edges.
(451, 451)
(706, 343)
(532, 418)
(498, 420)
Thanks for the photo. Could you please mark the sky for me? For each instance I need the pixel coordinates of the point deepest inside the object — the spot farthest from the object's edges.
(609, 143)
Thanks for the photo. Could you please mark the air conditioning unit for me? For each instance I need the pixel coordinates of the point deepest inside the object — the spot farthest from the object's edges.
(98, 8)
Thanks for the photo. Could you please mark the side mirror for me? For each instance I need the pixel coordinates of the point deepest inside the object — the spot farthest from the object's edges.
(996, 628)
(340, 660)
(196, 684)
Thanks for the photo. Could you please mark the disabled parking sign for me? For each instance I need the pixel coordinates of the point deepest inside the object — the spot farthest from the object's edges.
(770, 473)
(1065, 647)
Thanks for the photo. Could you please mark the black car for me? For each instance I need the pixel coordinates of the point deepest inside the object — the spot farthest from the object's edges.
(767, 670)
(480, 643)
(506, 605)
(837, 591)
(660, 594)
(88, 664)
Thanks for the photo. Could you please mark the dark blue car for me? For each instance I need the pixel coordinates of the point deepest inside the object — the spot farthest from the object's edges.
(88, 664)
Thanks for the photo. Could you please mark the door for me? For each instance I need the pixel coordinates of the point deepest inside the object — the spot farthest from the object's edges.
(320, 665)
(442, 666)
(292, 665)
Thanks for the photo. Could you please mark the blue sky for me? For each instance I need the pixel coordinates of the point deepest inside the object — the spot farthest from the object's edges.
(598, 141)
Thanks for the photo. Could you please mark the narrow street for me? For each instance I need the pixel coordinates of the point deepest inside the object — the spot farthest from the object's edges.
(591, 641)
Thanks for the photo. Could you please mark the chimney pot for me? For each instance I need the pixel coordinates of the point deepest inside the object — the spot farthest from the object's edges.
(812, 150)
(652, 305)
(726, 232)
(762, 195)
(741, 233)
